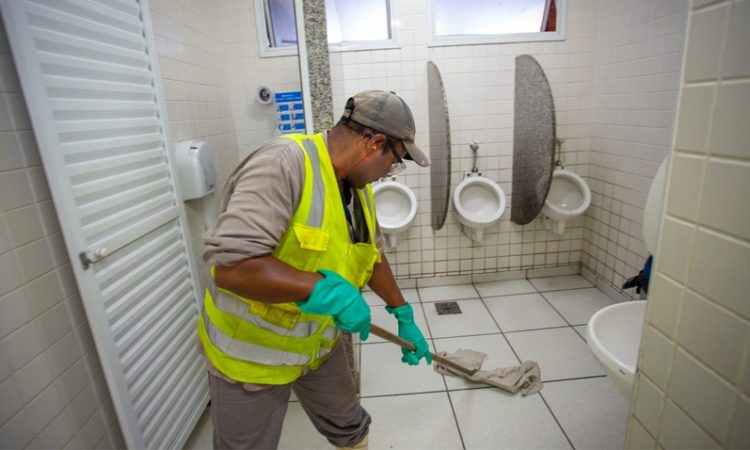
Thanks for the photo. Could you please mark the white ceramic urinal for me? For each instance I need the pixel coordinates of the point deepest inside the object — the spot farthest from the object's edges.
(568, 198)
(479, 203)
(396, 208)
(614, 336)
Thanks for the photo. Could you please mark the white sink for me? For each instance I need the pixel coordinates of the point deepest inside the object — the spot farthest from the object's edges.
(614, 335)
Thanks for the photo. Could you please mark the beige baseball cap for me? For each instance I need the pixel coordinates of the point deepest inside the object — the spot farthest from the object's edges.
(388, 113)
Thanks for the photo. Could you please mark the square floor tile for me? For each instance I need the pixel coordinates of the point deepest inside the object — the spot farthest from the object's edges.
(417, 421)
(560, 283)
(578, 305)
(497, 288)
(372, 299)
(474, 319)
(560, 353)
(455, 292)
(381, 318)
(493, 419)
(523, 312)
(383, 373)
(593, 412)
(299, 433)
(499, 354)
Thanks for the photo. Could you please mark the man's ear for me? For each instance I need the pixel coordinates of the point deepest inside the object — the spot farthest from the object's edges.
(379, 139)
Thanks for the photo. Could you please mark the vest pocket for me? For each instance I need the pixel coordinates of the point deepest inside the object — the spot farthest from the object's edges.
(359, 262)
(311, 238)
(284, 315)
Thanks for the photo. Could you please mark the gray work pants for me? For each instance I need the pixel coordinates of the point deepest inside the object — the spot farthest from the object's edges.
(253, 419)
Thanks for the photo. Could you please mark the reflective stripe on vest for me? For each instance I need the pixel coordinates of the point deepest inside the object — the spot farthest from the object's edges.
(274, 337)
(315, 216)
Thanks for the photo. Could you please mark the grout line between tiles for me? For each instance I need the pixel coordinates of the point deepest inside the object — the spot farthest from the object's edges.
(562, 429)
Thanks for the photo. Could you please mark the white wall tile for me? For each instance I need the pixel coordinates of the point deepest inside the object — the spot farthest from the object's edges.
(693, 117)
(704, 43)
(656, 357)
(74, 380)
(679, 431)
(719, 271)
(740, 431)
(10, 157)
(10, 398)
(23, 345)
(44, 407)
(702, 394)
(684, 185)
(34, 377)
(713, 334)
(44, 292)
(55, 323)
(15, 312)
(14, 190)
(23, 225)
(638, 437)
(5, 371)
(6, 123)
(672, 255)
(34, 259)
(18, 114)
(731, 134)
(57, 433)
(648, 405)
(84, 406)
(737, 58)
(17, 432)
(65, 352)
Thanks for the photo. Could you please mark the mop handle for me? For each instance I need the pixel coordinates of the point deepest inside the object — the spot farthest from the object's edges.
(388, 336)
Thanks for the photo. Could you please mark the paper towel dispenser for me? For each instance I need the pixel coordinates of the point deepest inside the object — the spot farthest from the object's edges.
(196, 167)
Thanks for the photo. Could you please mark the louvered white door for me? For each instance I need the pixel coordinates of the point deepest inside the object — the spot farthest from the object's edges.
(91, 82)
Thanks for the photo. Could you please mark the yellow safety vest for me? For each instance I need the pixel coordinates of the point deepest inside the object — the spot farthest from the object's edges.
(274, 343)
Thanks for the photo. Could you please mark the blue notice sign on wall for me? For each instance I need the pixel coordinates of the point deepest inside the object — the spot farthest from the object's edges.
(286, 102)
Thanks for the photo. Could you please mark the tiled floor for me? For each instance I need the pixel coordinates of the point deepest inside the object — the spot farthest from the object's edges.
(542, 319)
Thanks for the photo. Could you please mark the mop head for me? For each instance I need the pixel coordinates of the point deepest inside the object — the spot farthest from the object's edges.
(525, 378)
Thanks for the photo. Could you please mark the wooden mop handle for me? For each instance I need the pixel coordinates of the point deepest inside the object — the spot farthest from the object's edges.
(388, 336)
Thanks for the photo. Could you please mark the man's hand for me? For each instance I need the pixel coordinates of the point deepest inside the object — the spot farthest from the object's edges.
(408, 331)
(334, 296)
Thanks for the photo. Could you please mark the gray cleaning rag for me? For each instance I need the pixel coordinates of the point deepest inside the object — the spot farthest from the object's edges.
(525, 378)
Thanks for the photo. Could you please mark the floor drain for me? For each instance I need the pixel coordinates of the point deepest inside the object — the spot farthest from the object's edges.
(447, 308)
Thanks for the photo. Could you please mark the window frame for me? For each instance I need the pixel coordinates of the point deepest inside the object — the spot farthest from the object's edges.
(472, 39)
(344, 46)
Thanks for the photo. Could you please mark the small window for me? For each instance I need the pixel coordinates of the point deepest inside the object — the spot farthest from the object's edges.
(488, 21)
(352, 25)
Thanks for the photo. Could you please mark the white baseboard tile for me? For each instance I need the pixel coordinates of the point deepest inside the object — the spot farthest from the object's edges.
(589, 275)
(499, 276)
(554, 271)
(407, 283)
(444, 281)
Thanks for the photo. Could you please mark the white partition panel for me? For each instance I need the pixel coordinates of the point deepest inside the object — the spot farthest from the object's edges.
(90, 78)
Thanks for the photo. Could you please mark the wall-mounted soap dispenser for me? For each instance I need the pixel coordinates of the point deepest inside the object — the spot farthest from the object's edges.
(196, 167)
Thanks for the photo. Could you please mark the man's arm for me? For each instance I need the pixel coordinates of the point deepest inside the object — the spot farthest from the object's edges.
(267, 279)
(384, 284)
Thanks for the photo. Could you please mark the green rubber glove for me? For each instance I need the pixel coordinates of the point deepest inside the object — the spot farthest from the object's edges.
(408, 331)
(335, 296)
